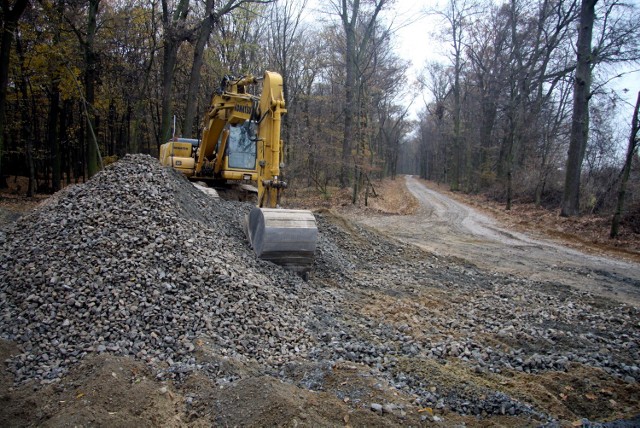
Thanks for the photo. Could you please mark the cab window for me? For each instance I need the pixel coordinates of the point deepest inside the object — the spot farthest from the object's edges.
(241, 146)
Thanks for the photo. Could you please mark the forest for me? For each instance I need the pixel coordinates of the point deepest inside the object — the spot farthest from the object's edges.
(520, 108)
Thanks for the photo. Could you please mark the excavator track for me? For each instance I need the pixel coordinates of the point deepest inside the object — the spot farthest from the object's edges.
(283, 236)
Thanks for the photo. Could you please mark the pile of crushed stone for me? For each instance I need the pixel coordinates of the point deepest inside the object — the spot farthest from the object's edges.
(137, 262)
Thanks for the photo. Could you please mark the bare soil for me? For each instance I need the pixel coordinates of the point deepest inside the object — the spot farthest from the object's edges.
(114, 391)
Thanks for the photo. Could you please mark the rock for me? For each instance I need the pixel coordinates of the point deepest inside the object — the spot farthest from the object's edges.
(388, 408)
(376, 407)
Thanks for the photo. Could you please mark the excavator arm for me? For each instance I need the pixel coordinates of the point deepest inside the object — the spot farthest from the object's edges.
(285, 237)
(270, 146)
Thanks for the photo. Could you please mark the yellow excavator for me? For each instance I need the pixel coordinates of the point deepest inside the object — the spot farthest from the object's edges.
(241, 142)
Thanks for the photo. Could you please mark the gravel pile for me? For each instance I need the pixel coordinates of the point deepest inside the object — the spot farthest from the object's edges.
(138, 262)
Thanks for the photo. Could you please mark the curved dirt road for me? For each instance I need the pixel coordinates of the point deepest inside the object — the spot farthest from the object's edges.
(447, 227)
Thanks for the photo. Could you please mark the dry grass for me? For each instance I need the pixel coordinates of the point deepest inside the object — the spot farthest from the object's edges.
(389, 197)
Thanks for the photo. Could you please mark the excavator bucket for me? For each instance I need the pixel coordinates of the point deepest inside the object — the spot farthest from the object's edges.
(282, 236)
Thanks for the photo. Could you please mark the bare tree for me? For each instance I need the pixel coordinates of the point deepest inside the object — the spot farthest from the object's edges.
(202, 33)
(580, 116)
(285, 39)
(617, 41)
(631, 149)
(175, 33)
(436, 151)
(90, 77)
(358, 26)
(456, 15)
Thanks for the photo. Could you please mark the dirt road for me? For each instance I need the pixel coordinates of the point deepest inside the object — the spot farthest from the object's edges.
(447, 227)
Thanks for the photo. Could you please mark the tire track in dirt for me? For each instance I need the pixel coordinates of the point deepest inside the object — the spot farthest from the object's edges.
(444, 226)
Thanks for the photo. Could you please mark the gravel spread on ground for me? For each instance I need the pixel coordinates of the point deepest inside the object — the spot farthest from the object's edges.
(137, 262)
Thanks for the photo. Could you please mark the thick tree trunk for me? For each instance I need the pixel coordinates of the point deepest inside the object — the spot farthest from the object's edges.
(580, 116)
(173, 38)
(196, 70)
(168, 71)
(631, 148)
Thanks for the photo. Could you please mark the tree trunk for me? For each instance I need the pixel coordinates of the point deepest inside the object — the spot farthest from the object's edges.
(580, 116)
(90, 75)
(52, 135)
(138, 111)
(54, 111)
(172, 40)
(350, 102)
(65, 113)
(9, 23)
(26, 126)
(631, 148)
(168, 71)
(349, 15)
(457, 110)
(196, 68)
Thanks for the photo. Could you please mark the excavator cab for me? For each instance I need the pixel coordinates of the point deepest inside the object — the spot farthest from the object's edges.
(241, 146)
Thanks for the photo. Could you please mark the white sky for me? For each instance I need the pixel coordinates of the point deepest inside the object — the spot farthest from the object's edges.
(417, 42)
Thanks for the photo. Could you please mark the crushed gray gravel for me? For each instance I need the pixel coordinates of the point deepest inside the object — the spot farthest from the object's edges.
(138, 262)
